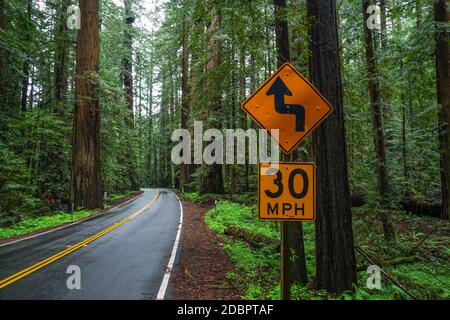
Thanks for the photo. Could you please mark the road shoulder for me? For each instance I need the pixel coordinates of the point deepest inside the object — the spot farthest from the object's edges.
(203, 263)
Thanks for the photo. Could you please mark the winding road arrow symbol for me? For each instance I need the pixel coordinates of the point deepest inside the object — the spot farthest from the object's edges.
(279, 90)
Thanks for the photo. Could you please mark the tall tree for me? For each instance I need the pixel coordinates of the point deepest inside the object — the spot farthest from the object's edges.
(62, 53)
(376, 105)
(86, 186)
(127, 78)
(185, 89)
(293, 253)
(26, 65)
(441, 15)
(127, 61)
(384, 44)
(2, 55)
(212, 179)
(335, 255)
(281, 32)
(418, 10)
(383, 23)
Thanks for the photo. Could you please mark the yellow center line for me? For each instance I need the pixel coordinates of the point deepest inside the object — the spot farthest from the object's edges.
(21, 274)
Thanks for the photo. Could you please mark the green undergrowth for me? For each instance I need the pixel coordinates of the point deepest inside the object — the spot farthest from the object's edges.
(117, 196)
(44, 222)
(33, 224)
(258, 267)
(210, 198)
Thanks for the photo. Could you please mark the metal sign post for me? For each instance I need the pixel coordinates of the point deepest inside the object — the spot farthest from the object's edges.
(287, 190)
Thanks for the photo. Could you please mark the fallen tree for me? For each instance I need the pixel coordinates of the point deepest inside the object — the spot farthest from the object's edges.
(421, 207)
(415, 206)
(254, 239)
(394, 262)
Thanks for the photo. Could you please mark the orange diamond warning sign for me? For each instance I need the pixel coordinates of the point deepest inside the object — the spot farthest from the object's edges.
(290, 103)
(287, 191)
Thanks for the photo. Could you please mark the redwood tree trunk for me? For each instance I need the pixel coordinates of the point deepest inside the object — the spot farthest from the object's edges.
(335, 256)
(376, 106)
(212, 179)
(128, 58)
(2, 56)
(62, 51)
(243, 119)
(294, 251)
(185, 91)
(387, 112)
(127, 77)
(86, 189)
(281, 32)
(443, 96)
(26, 67)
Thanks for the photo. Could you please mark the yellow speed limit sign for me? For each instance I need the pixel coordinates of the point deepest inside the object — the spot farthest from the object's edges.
(287, 191)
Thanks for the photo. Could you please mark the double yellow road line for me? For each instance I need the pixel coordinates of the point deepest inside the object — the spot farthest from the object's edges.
(21, 274)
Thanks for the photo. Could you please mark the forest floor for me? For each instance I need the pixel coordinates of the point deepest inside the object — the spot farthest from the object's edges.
(418, 260)
(33, 225)
(204, 265)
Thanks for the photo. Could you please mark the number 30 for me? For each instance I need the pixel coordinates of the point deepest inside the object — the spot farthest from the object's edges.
(279, 183)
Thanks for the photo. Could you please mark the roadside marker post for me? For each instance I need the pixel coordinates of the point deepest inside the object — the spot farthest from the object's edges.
(287, 101)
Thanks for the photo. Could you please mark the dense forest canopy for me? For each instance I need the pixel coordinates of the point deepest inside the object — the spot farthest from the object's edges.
(91, 92)
(167, 44)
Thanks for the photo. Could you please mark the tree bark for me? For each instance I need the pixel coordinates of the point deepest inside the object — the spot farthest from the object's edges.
(383, 19)
(441, 15)
(86, 188)
(185, 90)
(243, 118)
(335, 256)
(387, 112)
(127, 61)
(293, 231)
(26, 66)
(375, 102)
(212, 180)
(127, 78)
(62, 52)
(418, 9)
(281, 32)
(2, 56)
(150, 169)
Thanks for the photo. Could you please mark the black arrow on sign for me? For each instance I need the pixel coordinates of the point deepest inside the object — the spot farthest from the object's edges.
(279, 90)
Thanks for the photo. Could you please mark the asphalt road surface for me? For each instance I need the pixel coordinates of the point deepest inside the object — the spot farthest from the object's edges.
(122, 254)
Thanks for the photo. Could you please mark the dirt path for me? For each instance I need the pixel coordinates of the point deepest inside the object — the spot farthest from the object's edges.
(203, 265)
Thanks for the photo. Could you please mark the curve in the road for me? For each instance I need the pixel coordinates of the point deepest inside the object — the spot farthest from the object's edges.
(21, 274)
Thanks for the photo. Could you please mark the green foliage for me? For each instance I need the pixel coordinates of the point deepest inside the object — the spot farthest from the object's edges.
(40, 223)
(246, 199)
(259, 266)
(257, 273)
(45, 143)
(35, 152)
(409, 106)
(204, 199)
(116, 196)
(17, 195)
(227, 213)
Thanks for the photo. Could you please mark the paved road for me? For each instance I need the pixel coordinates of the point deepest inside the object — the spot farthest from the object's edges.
(126, 263)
